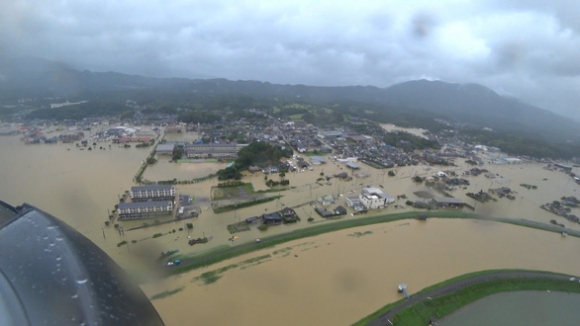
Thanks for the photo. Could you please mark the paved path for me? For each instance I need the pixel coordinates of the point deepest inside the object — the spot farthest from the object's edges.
(385, 318)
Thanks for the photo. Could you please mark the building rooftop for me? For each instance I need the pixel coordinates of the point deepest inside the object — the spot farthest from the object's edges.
(165, 147)
(151, 187)
(333, 133)
(272, 216)
(357, 138)
(320, 159)
(370, 191)
(216, 145)
(352, 165)
(510, 160)
(448, 200)
(144, 204)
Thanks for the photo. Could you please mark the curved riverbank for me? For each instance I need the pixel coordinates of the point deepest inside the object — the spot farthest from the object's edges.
(448, 296)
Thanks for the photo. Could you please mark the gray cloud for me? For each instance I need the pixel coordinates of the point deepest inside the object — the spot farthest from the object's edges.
(525, 49)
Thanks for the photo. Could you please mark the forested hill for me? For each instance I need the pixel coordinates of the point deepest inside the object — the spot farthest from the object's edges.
(468, 103)
(480, 106)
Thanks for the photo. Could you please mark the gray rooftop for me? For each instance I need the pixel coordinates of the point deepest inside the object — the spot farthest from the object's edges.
(216, 145)
(151, 187)
(352, 165)
(448, 200)
(144, 204)
(320, 159)
(165, 147)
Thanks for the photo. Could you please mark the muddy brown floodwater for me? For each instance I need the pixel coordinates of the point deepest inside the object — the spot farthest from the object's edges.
(338, 278)
(334, 278)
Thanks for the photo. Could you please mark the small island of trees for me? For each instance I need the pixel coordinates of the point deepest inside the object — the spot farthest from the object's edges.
(256, 153)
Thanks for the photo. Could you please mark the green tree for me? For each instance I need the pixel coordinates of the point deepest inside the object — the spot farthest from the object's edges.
(177, 154)
(417, 179)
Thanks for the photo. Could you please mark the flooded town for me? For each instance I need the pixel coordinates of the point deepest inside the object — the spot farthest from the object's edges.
(377, 163)
(140, 190)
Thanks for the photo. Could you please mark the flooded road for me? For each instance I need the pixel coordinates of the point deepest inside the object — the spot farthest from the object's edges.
(330, 279)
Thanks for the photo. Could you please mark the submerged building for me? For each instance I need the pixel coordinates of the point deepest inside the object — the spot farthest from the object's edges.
(145, 209)
(152, 193)
(213, 150)
(447, 202)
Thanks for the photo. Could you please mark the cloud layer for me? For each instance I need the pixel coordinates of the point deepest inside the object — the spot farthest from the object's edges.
(525, 49)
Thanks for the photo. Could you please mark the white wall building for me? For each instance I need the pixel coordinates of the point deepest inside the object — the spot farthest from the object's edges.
(374, 198)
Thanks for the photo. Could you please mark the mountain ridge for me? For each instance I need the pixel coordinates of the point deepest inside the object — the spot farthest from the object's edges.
(466, 103)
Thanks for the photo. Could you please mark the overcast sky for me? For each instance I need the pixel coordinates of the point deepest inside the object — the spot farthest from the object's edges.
(528, 49)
